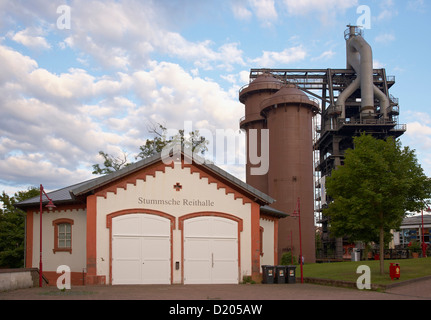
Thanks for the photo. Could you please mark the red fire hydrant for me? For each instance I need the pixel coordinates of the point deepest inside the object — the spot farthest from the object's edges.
(394, 271)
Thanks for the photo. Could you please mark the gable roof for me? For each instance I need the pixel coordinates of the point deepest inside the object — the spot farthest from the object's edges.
(71, 194)
(416, 220)
(60, 196)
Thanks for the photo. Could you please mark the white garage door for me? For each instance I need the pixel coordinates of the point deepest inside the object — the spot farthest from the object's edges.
(210, 250)
(141, 249)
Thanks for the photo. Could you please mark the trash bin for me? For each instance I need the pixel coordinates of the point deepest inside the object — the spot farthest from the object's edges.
(268, 274)
(394, 271)
(280, 274)
(356, 254)
(291, 274)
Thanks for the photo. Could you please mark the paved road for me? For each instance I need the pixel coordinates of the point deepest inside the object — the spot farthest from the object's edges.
(415, 291)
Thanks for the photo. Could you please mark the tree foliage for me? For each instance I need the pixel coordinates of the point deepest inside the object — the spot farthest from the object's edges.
(110, 163)
(194, 142)
(379, 182)
(12, 229)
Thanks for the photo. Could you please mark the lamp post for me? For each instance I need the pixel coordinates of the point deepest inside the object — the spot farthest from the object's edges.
(295, 214)
(50, 206)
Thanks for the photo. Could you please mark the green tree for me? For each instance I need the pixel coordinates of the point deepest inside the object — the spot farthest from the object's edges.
(379, 182)
(12, 228)
(195, 142)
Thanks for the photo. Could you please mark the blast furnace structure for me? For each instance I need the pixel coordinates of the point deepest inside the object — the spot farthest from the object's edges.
(312, 116)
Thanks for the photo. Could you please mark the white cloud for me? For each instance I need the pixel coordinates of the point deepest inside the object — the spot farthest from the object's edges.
(53, 123)
(388, 10)
(201, 53)
(57, 133)
(418, 138)
(325, 55)
(14, 65)
(124, 37)
(417, 129)
(31, 170)
(378, 64)
(41, 126)
(324, 11)
(244, 77)
(283, 58)
(31, 37)
(182, 97)
(240, 11)
(384, 38)
(416, 5)
(264, 9)
(302, 7)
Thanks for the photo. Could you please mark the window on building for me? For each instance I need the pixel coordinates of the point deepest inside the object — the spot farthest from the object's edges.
(414, 234)
(427, 235)
(62, 235)
(408, 235)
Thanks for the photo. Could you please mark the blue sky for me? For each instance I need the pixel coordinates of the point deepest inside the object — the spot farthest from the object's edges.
(67, 93)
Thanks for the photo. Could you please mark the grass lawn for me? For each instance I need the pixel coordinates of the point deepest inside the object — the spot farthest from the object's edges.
(346, 271)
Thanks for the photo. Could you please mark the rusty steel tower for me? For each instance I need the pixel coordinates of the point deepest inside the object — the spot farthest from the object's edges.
(312, 116)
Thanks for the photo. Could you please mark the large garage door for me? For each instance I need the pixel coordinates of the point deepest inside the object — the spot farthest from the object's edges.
(141, 249)
(210, 250)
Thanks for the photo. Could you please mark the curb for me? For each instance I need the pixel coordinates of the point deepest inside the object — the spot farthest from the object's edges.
(352, 285)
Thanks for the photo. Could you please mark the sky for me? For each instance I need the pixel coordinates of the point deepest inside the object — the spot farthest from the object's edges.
(82, 76)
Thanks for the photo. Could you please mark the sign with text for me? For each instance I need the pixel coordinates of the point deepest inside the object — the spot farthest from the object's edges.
(177, 202)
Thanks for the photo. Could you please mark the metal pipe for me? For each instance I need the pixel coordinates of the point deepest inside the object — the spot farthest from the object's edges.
(359, 57)
(341, 101)
(384, 101)
(359, 49)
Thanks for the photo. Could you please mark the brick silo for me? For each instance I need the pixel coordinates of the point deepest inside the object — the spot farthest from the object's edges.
(287, 114)
(252, 95)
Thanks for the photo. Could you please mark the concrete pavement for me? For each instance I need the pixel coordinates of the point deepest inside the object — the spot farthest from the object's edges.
(420, 290)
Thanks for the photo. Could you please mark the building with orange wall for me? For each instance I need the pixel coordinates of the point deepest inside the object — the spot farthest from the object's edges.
(155, 223)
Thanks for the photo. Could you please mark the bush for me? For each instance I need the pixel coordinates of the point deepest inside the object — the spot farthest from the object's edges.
(247, 279)
(414, 246)
(286, 259)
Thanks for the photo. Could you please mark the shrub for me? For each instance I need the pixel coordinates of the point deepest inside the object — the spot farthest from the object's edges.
(414, 246)
(286, 259)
